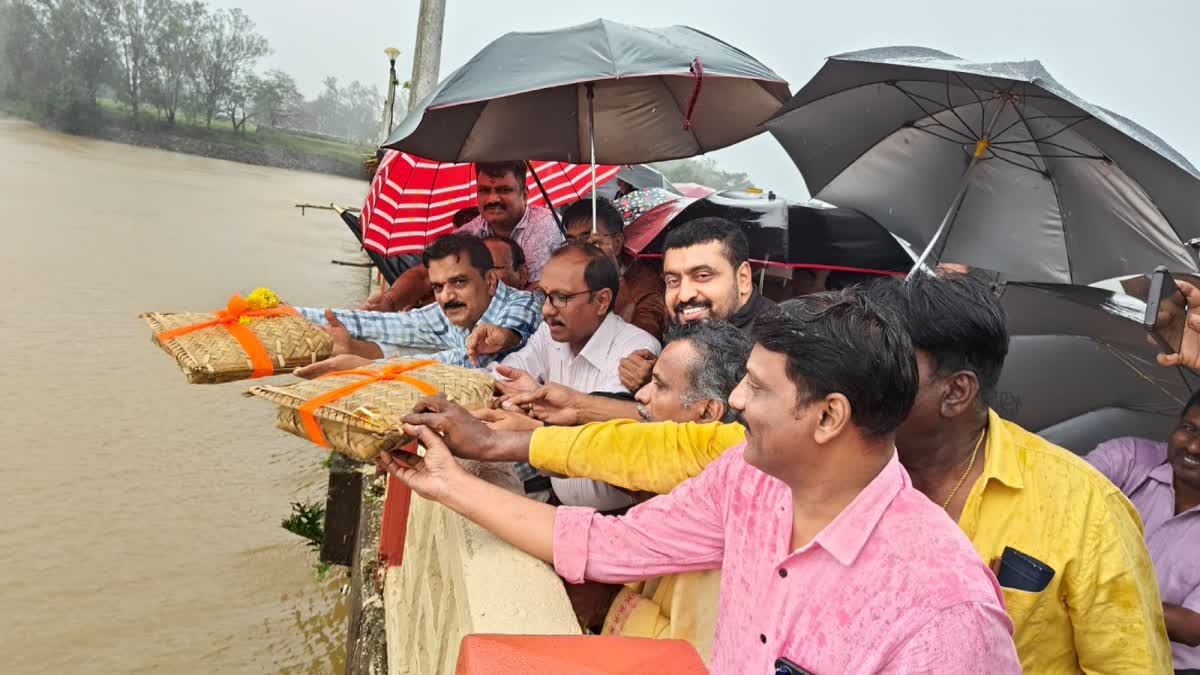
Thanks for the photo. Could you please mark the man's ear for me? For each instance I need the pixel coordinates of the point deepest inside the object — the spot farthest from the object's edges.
(745, 279)
(713, 411)
(834, 417)
(961, 394)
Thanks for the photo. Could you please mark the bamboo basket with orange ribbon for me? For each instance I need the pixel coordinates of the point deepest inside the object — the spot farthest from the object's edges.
(251, 337)
(359, 412)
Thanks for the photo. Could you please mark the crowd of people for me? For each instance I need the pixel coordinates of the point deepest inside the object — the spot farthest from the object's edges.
(819, 484)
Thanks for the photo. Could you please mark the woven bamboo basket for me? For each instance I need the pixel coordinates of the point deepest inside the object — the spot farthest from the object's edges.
(368, 421)
(213, 355)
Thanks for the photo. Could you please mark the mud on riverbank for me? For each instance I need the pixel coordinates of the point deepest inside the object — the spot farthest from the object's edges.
(247, 149)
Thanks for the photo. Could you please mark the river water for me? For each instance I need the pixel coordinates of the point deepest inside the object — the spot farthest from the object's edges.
(140, 528)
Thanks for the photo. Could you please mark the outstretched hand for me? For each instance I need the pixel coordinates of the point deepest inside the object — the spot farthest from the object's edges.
(518, 381)
(488, 339)
(466, 436)
(431, 476)
(550, 403)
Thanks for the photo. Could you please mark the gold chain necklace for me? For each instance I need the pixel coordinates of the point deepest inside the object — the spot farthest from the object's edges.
(971, 465)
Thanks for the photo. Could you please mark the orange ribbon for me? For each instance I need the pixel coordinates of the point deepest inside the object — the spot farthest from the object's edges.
(230, 318)
(393, 373)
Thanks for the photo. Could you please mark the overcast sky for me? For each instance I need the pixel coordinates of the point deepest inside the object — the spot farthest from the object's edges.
(1138, 58)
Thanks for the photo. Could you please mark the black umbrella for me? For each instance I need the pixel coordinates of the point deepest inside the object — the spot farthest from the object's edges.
(391, 268)
(1079, 370)
(782, 234)
(632, 94)
(991, 164)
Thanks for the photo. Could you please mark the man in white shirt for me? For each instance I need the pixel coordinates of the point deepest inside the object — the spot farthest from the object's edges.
(579, 345)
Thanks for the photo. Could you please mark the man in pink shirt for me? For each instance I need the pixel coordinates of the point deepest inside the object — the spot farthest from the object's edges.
(831, 562)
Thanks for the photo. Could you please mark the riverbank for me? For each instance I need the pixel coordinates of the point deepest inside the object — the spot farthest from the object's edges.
(259, 146)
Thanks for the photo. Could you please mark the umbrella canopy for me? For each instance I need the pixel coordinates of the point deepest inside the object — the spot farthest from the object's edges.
(1106, 382)
(1015, 172)
(640, 177)
(412, 201)
(781, 234)
(634, 94)
(695, 190)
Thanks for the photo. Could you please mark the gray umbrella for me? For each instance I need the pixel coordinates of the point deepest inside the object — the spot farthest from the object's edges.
(641, 177)
(991, 164)
(640, 94)
(1079, 369)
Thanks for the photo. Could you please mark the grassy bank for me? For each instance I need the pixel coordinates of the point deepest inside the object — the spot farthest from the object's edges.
(111, 120)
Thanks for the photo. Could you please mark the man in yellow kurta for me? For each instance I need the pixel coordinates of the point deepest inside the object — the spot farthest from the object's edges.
(1100, 611)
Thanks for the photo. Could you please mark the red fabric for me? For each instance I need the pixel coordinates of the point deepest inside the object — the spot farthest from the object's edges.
(574, 654)
(694, 190)
(412, 201)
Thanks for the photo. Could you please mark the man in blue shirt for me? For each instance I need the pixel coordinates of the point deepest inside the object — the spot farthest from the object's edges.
(469, 295)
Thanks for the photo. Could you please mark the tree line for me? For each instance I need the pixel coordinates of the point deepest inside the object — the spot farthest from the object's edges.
(168, 57)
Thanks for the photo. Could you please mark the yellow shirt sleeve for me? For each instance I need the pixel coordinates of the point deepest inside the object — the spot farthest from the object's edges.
(640, 456)
(1114, 603)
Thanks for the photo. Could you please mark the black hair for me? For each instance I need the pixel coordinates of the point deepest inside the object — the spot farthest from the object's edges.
(705, 230)
(501, 169)
(1191, 403)
(600, 272)
(845, 342)
(463, 216)
(720, 363)
(608, 218)
(956, 320)
(518, 253)
(459, 244)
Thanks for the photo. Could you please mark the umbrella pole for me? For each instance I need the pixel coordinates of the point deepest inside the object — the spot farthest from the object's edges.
(549, 204)
(981, 147)
(591, 96)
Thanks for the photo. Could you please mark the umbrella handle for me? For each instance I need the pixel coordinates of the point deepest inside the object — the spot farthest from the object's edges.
(549, 204)
(698, 76)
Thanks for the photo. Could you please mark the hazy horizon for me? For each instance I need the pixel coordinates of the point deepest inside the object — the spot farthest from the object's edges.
(1122, 56)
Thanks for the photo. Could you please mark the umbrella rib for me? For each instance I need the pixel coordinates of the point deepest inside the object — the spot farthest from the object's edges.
(1015, 163)
(1046, 138)
(926, 129)
(950, 106)
(932, 116)
(982, 110)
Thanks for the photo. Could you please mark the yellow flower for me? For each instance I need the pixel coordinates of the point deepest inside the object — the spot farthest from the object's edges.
(245, 320)
(262, 298)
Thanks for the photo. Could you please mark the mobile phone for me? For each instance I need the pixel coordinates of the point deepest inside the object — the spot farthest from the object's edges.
(1163, 291)
(1023, 572)
(786, 667)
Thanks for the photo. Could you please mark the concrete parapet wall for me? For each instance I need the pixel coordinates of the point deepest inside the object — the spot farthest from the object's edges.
(458, 579)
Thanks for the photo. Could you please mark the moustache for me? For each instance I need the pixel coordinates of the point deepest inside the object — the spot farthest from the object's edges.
(692, 304)
(498, 206)
(453, 305)
(643, 412)
(555, 322)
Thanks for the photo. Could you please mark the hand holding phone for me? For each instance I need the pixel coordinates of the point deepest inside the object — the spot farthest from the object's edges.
(1166, 311)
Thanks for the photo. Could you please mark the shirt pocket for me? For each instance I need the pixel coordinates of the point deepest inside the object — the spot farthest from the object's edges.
(1027, 609)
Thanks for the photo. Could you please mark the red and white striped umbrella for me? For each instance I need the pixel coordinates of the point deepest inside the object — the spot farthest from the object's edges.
(412, 201)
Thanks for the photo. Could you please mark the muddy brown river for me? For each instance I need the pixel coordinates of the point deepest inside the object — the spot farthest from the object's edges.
(141, 514)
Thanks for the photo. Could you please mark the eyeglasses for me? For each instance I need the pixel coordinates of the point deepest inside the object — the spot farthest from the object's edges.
(560, 300)
(589, 238)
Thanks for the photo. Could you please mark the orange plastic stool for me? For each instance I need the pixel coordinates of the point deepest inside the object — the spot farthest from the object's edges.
(572, 654)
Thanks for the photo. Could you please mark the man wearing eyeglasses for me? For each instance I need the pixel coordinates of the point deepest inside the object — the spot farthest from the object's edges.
(640, 300)
(579, 345)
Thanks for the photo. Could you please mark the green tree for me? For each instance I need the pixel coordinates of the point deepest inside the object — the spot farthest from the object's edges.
(176, 48)
(705, 171)
(136, 29)
(274, 97)
(229, 49)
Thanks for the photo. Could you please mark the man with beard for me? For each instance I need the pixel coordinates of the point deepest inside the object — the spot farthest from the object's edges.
(1100, 610)
(706, 268)
(829, 558)
(1163, 482)
(469, 296)
(501, 194)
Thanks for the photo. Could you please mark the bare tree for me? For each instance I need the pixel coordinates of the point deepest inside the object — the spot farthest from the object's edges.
(229, 49)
